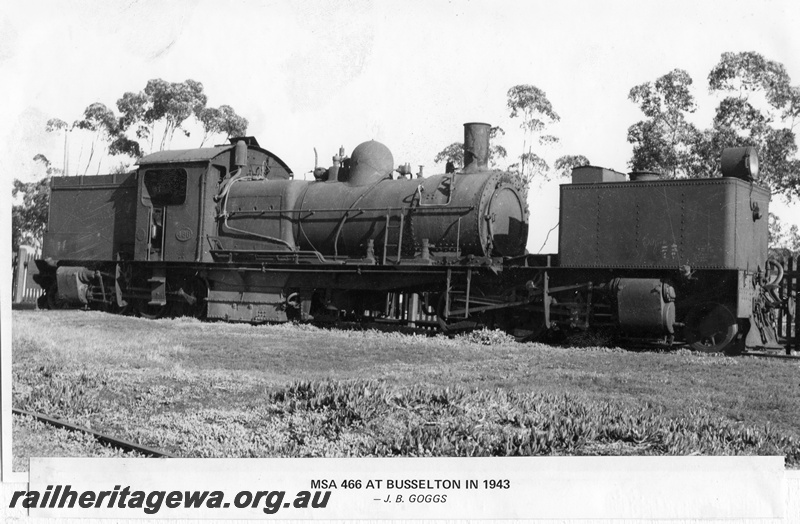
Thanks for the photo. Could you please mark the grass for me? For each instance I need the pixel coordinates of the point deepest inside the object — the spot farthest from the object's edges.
(211, 389)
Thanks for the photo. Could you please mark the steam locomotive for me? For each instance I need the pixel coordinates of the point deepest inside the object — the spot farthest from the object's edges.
(227, 233)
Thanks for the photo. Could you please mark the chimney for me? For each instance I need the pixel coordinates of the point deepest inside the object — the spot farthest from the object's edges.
(476, 147)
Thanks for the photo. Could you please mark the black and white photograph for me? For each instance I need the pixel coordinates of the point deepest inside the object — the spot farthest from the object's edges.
(332, 232)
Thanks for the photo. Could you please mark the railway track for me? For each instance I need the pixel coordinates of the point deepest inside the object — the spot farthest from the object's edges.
(107, 440)
(767, 354)
(431, 328)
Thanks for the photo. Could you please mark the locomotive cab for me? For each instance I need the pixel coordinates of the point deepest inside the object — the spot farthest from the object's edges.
(182, 194)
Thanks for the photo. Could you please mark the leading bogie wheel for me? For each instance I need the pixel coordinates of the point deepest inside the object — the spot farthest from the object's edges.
(152, 311)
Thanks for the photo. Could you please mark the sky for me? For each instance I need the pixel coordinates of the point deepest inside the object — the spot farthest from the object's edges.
(314, 74)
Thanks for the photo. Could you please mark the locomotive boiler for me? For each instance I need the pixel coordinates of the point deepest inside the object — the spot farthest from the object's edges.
(228, 233)
(356, 209)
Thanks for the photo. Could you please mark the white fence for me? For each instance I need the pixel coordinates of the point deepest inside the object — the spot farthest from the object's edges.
(25, 290)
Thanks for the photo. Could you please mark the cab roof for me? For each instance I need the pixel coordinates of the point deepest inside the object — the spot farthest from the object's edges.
(205, 154)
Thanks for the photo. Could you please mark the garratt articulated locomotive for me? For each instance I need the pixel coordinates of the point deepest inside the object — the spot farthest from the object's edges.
(226, 233)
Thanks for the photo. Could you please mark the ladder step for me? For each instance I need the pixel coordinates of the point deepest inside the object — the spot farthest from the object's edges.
(393, 245)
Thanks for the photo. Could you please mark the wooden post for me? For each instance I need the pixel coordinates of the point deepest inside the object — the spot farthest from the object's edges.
(469, 284)
(786, 316)
(792, 285)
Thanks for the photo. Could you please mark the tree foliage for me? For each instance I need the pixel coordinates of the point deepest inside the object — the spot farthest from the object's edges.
(531, 105)
(784, 241)
(29, 218)
(758, 106)
(496, 151)
(663, 141)
(101, 122)
(221, 121)
(169, 104)
(453, 153)
(565, 164)
(55, 124)
(148, 120)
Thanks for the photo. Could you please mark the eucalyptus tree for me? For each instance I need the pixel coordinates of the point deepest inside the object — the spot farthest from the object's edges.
(663, 141)
(29, 217)
(759, 106)
(101, 122)
(148, 120)
(564, 165)
(531, 105)
(222, 120)
(169, 104)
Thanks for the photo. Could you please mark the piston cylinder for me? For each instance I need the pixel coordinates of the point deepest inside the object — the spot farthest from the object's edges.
(73, 283)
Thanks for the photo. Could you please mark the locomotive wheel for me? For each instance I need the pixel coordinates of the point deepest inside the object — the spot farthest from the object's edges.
(200, 293)
(143, 308)
(524, 325)
(140, 286)
(152, 311)
(195, 292)
(530, 332)
(125, 310)
(711, 328)
(451, 324)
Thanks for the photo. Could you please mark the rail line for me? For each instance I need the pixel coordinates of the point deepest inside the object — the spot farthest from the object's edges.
(766, 354)
(432, 328)
(108, 440)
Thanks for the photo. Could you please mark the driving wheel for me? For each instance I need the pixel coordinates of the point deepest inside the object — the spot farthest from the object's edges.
(711, 328)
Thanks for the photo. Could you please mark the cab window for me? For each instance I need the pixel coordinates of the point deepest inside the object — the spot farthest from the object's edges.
(165, 187)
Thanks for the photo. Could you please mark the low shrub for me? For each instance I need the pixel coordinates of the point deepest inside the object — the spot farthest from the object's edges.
(486, 337)
(371, 418)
